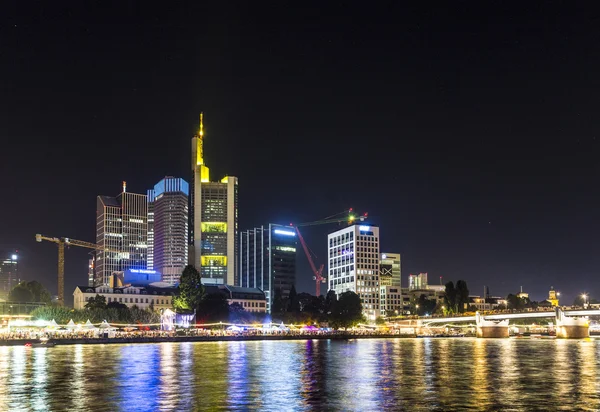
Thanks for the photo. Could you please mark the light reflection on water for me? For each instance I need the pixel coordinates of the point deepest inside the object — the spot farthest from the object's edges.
(355, 375)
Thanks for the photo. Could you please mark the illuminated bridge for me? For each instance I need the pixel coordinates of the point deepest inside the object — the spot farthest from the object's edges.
(569, 324)
(503, 316)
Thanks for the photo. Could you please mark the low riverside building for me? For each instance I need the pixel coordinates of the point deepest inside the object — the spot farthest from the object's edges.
(251, 299)
(157, 296)
(394, 300)
(483, 304)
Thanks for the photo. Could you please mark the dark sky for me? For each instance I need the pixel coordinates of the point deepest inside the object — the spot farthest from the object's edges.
(468, 131)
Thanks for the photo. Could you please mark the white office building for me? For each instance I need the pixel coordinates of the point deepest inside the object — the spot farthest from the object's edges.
(354, 265)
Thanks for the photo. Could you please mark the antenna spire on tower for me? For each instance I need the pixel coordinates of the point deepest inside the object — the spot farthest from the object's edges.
(201, 133)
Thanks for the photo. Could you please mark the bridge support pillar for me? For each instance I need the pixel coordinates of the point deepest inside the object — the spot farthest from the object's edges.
(491, 329)
(568, 327)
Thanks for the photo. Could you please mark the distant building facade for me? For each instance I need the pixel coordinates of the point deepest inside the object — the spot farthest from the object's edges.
(267, 260)
(168, 238)
(9, 273)
(251, 299)
(143, 297)
(121, 234)
(354, 265)
(394, 300)
(553, 297)
(390, 270)
(417, 281)
(214, 220)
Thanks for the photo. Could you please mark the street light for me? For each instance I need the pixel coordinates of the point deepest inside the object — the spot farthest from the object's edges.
(584, 296)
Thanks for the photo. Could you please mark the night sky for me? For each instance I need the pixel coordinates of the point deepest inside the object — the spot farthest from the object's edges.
(469, 132)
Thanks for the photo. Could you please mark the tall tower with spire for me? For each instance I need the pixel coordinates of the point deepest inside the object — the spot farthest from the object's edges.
(213, 219)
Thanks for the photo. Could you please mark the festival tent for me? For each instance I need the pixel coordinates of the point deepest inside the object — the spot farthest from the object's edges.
(88, 325)
(71, 325)
(105, 325)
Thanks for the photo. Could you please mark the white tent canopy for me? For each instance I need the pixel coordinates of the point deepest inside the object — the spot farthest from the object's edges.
(89, 325)
(105, 325)
(71, 324)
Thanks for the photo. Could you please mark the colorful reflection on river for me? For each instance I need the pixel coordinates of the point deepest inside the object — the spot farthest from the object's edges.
(355, 375)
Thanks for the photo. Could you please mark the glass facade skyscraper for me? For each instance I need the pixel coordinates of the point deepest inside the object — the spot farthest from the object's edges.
(214, 220)
(267, 260)
(121, 234)
(9, 273)
(168, 204)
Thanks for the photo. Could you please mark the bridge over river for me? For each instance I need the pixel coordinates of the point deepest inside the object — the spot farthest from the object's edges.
(569, 324)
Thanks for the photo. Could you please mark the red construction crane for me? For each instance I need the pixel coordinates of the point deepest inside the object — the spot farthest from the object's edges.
(348, 217)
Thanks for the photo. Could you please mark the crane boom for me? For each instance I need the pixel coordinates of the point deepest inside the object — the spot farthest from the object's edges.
(61, 242)
(318, 273)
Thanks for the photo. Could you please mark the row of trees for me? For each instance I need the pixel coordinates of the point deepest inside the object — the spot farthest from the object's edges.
(341, 311)
(302, 308)
(111, 314)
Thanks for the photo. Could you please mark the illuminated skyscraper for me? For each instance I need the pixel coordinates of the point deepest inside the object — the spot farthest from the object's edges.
(268, 260)
(168, 209)
(214, 220)
(354, 265)
(9, 273)
(121, 234)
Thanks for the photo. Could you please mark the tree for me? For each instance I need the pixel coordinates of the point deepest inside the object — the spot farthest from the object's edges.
(97, 302)
(462, 295)
(347, 311)
(424, 306)
(293, 299)
(20, 293)
(116, 305)
(190, 289)
(213, 308)
(450, 297)
(277, 304)
(39, 292)
(330, 300)
(379, 320)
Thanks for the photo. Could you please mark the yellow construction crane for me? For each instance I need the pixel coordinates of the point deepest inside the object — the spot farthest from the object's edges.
(61, 242)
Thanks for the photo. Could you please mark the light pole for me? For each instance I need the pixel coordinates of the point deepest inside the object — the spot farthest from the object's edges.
(584, 296)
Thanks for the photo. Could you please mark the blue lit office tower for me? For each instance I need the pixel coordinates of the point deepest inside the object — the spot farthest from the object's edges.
(9, 273)
(213, 220)
(168, 228)
(121, 234)
(267, 260)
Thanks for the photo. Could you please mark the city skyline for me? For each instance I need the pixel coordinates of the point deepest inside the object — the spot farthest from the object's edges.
(483, 171)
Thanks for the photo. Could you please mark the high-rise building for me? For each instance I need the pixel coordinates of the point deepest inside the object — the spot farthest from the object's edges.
(354, 265)
(9, 273)
(417, 282)
(91, 276)
(121, 234)
(168, 210)
(214, 220)
(267, 260)
(150, 256)
(390, 273)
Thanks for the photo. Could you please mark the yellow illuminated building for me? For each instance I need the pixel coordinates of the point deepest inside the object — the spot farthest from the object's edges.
(213, 219)
(552, 296)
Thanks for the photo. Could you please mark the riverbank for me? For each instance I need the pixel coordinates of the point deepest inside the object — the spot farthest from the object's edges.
(158, 339)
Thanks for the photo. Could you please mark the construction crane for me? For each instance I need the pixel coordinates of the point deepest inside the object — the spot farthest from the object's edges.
(348, 217)
(61, 242)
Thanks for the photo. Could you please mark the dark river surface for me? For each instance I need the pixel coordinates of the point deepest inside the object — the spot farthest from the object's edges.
(442, 374)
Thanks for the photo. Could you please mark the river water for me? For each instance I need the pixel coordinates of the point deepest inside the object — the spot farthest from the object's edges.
(356, 375)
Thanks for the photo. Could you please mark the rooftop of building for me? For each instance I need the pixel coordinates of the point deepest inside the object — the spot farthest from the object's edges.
(236, 292)
(152, 289)
(109, 201)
